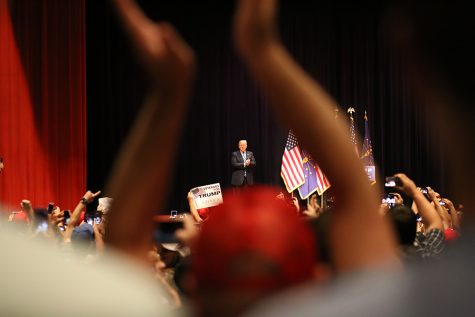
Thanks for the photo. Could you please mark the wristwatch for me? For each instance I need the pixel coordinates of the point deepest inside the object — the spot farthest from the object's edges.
(84, 201)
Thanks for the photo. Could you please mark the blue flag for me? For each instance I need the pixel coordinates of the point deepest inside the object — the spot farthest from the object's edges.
(315, 180)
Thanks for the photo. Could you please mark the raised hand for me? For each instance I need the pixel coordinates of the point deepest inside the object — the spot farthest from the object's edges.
(164, 55)
(408, 186)
(90, 196)
(141, 188)
(254, 25)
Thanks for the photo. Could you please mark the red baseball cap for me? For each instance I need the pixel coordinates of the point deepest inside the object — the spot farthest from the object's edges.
(253, 242)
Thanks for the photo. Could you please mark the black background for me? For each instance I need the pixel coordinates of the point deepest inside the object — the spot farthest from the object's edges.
(341, 45)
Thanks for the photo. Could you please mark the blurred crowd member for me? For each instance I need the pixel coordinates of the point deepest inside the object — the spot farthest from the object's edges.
(24, 218)
(253, 245)
(313, 209)
(452, 233)
(290, 200)
(356, 206)
(163, 277)
(115, 286)
(440, 77)
(359, 238)
(429, 244)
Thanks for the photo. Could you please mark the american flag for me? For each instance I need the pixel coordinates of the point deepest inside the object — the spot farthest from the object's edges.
(292, 170)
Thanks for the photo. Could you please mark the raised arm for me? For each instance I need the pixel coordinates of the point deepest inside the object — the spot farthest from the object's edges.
(444, 215)
(141, 174)
(453, 213)
(75, 216)
(295, 97)
(193, 210)
(430, 217)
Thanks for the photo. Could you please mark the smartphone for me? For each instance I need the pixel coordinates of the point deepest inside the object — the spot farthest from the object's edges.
(41, 219)
(50, 207)
(425, 191)
(67, 217)
(390, 200)
(392, 182)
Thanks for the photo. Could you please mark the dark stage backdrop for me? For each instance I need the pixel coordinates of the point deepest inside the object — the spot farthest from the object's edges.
(42, 102)
(340, 45)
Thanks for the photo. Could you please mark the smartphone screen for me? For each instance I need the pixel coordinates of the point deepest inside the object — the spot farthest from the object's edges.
(389, 199)
(391, 182)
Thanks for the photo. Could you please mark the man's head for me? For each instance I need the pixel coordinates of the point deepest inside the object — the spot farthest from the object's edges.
(82, 238)
(405, 224)
(242, 145)
(104, 205)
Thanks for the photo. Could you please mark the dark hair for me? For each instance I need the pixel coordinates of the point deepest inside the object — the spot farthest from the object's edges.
(320, 227)
(405, 223)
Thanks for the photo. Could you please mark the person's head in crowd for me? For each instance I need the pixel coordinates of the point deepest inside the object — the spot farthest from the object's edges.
(312, 209)
(183, 277)
(253, 245)
(82, 238)
(405, 224)
(170, 254)
(320, 226)
(104, 205)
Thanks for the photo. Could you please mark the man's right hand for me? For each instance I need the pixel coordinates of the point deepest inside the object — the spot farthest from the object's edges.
(407, 185)
(89, 196)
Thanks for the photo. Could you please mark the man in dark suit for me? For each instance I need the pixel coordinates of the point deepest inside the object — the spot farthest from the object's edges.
(243, 163)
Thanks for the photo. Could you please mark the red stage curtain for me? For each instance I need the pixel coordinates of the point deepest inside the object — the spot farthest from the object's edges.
(42, 102)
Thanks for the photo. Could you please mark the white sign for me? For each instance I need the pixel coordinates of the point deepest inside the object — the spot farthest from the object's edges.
(207, 196)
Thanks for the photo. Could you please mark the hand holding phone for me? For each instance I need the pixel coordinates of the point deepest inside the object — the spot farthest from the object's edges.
(390, 200)
(67, 217)
(50, 207)
(392, 181)
(406, 184)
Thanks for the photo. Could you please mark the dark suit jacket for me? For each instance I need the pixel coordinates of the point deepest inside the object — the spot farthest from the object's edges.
(237, 163)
